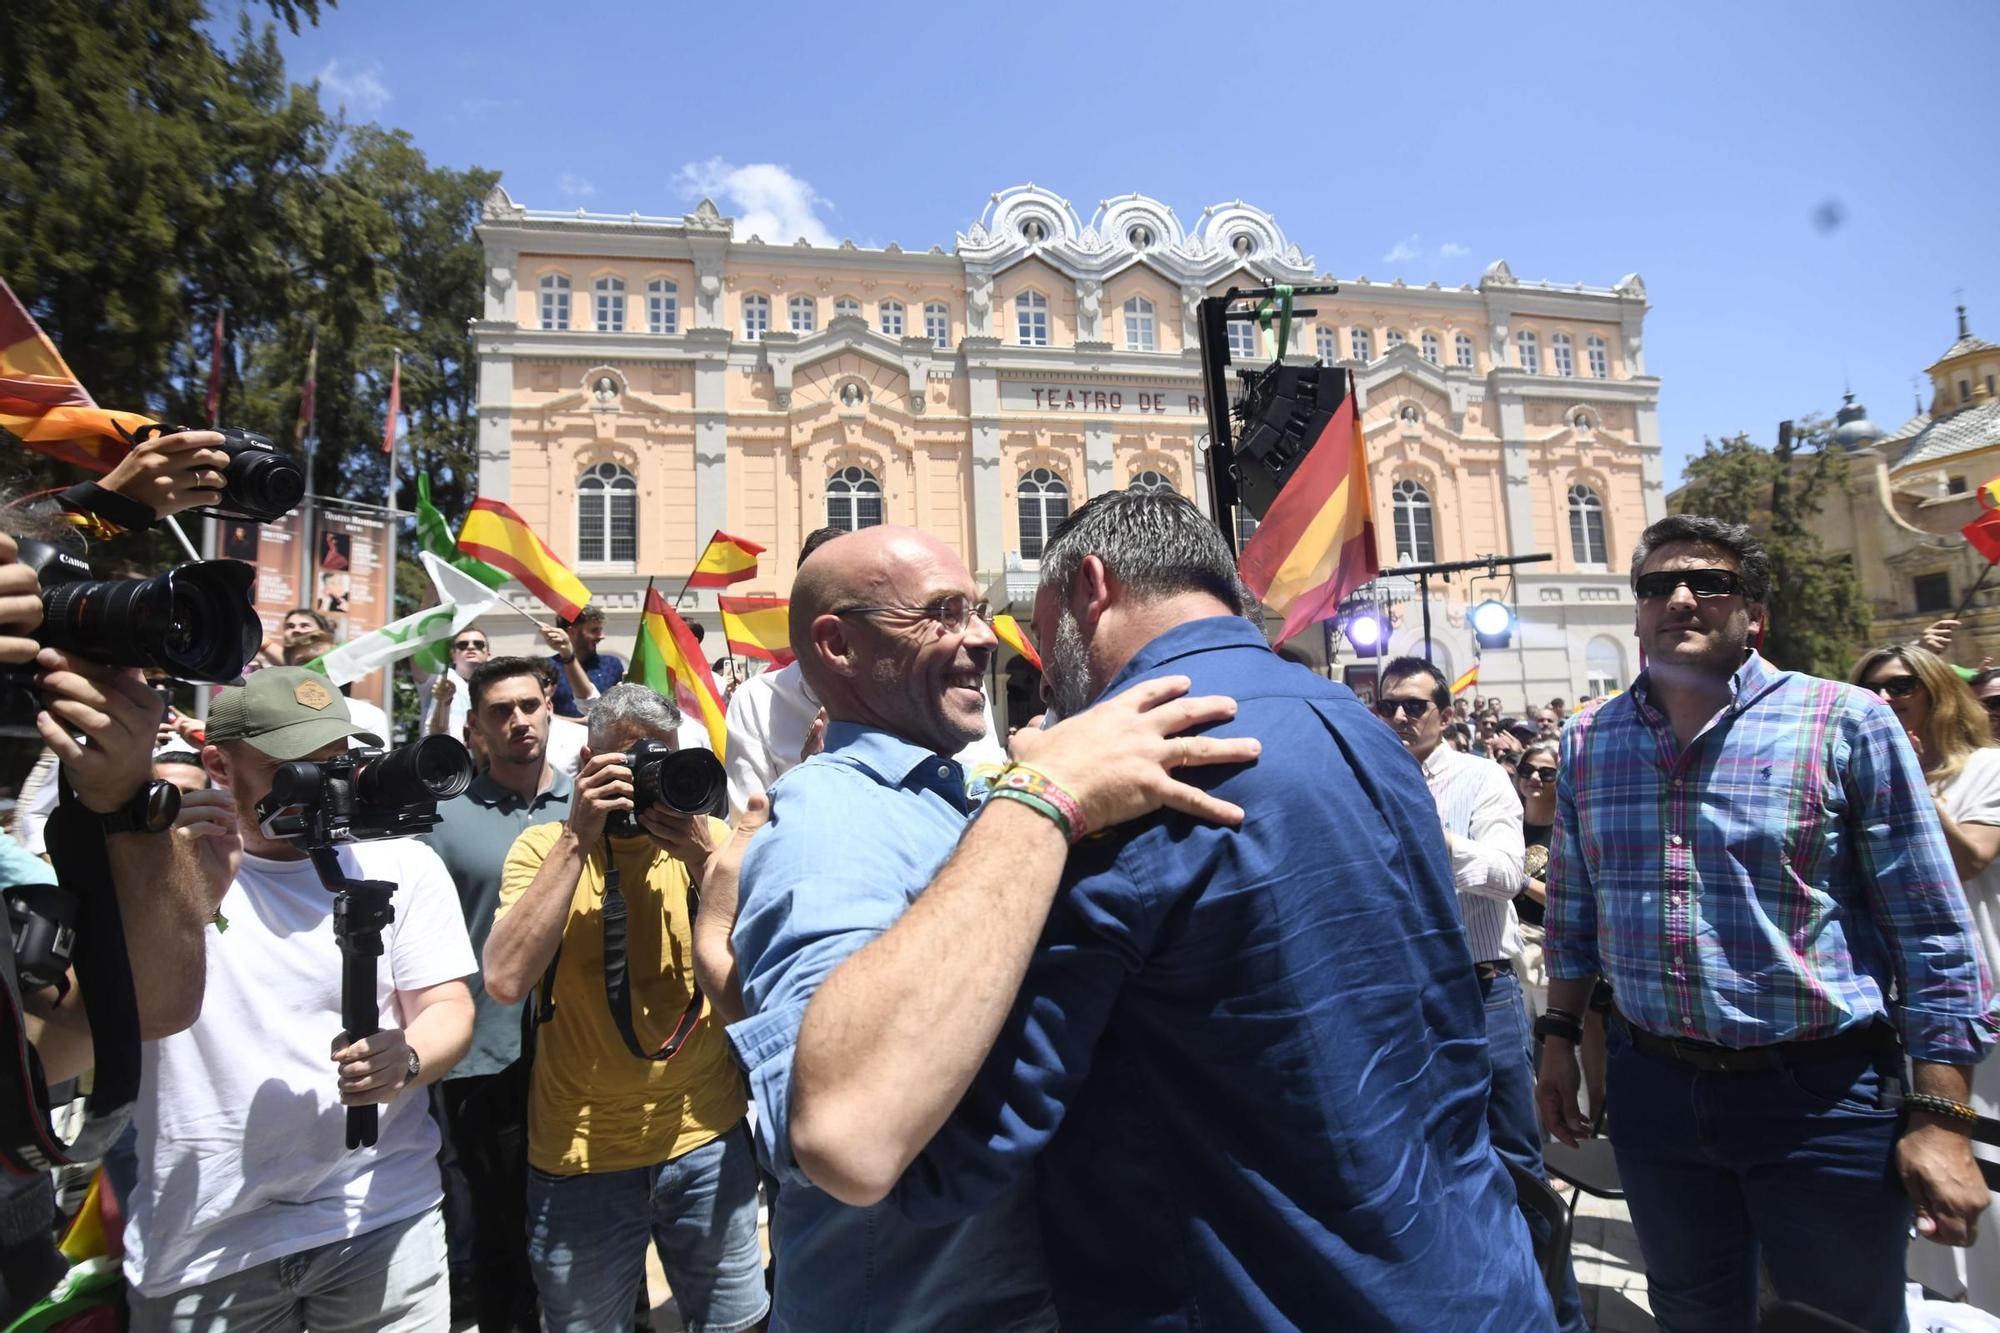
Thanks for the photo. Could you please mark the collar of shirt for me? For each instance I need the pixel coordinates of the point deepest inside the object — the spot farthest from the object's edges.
(1748, 683)
(485, 791)
(895, 762)
(1205, 635)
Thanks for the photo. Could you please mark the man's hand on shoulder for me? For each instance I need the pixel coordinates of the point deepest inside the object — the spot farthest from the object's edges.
(1118, 758)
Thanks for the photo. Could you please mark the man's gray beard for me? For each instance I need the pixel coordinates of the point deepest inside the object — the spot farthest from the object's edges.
(1069, 669)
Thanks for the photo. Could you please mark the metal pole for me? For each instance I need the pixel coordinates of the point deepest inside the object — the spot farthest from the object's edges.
(1424, 591)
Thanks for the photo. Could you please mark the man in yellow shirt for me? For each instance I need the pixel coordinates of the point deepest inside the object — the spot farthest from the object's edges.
(634, 1128)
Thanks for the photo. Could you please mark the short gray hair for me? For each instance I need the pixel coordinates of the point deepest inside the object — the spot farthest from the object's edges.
(630, 702)
(1735, 538)
(1155, 544)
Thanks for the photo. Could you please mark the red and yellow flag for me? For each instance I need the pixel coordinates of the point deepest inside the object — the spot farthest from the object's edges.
(668, 661)
(725, 560)
(496, 534)
(1317, 543)
(42, 402)
(1010, 633)
(758, 627)
(1465, 681)
(1984, 534)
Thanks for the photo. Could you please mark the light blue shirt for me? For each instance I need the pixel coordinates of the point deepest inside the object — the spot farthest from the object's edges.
(856, 833)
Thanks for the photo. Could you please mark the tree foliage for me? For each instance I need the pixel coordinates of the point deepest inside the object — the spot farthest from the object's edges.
(149, 177)
(1819, 617)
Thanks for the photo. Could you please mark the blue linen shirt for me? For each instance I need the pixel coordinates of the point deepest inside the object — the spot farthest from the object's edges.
(1771, 881)
(606, 671)
(1249, 1066)
(856, 833)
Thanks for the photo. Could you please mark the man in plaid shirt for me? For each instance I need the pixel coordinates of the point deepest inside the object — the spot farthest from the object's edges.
(1751, 859)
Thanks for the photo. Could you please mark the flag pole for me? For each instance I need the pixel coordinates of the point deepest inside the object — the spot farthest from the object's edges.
(1972, 592)
(643, 603)
(690, 578)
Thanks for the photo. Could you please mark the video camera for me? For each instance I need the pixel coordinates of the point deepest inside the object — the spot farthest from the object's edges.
(688, 782)
(365, 794)
(259, 482)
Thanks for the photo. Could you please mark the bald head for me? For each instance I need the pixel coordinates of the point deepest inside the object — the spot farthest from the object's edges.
(895, 666)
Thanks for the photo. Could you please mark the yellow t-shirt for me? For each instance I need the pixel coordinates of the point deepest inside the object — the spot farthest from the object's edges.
(592, 1104)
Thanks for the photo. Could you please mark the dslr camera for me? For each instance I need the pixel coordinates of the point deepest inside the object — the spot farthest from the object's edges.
(687, 782)
(365, 794)
(260, 482)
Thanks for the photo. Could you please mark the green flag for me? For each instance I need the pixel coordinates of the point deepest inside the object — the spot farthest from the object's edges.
(434, 535)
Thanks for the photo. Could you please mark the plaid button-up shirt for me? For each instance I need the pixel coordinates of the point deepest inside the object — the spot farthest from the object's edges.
(1776, 880)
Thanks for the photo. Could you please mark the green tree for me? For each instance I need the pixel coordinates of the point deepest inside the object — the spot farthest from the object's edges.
(1819, 616)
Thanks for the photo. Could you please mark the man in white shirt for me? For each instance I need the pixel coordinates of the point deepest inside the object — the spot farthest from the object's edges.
(450, 701)
(250, 1211)
(1481, 813)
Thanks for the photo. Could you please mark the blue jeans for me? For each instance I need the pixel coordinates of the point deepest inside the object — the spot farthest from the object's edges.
(587, 1240)
(1511, 1122)
(389, 1280)
(1796, 1164)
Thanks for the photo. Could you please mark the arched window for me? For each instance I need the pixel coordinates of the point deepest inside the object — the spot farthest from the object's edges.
(1150, 482)
(1586, 526)
(555, 301)
(1242, 336)
(607, 515)
(1392, 341)
(890, 313)
(1326, 345)
(1031, 319)
(853, 499)
(1412, 506)
(846, 305)
(663, 306)
(1603, 666)
(756, 318)
(1430, 348)
(1139, 326)
(1529, 348)
(1360, 345)
(1600, 357)
(1462, 349)
(610, 305)
(1044, 505)
(1563, 353)
(805, 314)
(937, 325)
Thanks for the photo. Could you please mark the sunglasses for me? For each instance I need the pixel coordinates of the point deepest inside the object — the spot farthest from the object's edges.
(1536, 772)
(1897, 687)
(1700, 582)
(464, 645)
(1411, 708)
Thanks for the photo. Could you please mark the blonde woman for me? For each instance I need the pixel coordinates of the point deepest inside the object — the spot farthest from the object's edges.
(1948, 728)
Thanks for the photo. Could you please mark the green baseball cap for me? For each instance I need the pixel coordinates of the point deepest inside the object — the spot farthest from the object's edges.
(287, 712)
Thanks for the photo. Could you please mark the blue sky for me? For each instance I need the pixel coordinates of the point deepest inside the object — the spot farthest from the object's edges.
(1706, 146)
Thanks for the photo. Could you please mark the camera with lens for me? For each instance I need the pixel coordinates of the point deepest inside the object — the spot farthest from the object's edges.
(365, 794)
(687, 782)
(260, 482)
(42, 921)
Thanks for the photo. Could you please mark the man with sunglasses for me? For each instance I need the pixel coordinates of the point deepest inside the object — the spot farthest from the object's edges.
(1481, 814)
(1751, 859)
(450, 704)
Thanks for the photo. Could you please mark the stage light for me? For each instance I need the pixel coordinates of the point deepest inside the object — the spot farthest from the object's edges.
(1493, 623)
(1364, 631)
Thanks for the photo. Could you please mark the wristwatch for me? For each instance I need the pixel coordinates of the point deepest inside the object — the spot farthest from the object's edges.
(1556, 1023)
(152, 809)
(414, 1069)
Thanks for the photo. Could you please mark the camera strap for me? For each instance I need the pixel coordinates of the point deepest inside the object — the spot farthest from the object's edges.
(617, 974)
(27, 1143)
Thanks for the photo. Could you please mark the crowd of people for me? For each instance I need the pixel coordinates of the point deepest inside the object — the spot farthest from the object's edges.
(1220, 998)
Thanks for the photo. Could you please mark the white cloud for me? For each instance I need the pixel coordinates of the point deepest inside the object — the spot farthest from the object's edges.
(360, 91)
(1404, 251)
(572, 186)
(766, 200)
(1453, 250)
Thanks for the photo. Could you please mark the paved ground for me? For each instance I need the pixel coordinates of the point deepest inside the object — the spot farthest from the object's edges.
(1605, 1253)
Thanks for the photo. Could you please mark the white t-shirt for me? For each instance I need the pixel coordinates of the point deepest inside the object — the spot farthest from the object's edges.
(566, 741)
(370, 719)
(242, 1136)
(769, 717)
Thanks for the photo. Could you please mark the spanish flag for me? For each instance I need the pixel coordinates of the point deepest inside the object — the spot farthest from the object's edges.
(668, 661)
(1466, 681)
(495, 533)
(725, 560)
(1317, 543)
(1984, 534)
(42, 402)
(758, 627)
(1010, 633)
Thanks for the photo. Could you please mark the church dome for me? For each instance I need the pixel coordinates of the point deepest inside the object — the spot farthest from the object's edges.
(1851, 427)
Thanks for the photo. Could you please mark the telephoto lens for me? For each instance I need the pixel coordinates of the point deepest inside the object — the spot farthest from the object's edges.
(435, 768)
(688, 782)
(195, 622)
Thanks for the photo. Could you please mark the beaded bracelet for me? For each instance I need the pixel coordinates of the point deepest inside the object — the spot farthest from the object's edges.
(1038, 805)
(1025, 777)
(1936, 1105)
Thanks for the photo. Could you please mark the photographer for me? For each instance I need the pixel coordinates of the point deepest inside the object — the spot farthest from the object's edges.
(623, 1145)
(247, 1201)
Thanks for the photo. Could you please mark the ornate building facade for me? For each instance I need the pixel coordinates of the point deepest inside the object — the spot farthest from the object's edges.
(645, 381)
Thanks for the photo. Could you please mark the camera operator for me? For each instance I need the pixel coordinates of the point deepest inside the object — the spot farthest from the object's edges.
(624, 1145)
(247, 1201)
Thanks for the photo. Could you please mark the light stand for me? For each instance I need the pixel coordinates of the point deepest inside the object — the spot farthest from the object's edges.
(1422, 574)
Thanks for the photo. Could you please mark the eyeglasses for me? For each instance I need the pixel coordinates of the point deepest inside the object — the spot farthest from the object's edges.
(1411, 708)
(1700, 582)
(1897, 687)
(1537, 772)
(466, 645)
(953, 613)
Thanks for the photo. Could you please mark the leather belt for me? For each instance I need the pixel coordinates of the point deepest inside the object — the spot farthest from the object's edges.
(1864, 1039)
(1499, 967)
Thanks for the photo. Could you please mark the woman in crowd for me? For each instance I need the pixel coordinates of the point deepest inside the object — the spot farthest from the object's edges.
(1947, 728)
